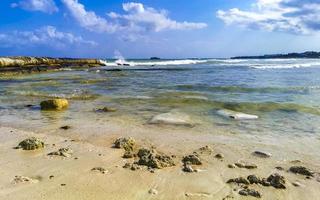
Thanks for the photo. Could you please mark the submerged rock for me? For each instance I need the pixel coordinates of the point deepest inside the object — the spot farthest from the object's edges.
(32, 143)
(250, 192)
(301, 170)
(262, 154)
(54, 104)
(64, 152)
(172, 119)
(219, 156)
(151, 158)
(127, 144)
(192, 159)
(106, 109)
(236, 115)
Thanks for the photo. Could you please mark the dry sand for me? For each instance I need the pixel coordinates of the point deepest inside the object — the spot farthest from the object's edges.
(73, 178)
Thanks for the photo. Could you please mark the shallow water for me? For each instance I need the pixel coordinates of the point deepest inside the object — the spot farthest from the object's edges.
(283, 93)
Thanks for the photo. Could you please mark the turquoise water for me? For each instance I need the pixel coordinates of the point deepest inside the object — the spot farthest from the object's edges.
(284, 94)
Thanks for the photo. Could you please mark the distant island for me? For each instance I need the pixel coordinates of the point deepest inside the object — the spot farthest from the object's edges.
(307, 54)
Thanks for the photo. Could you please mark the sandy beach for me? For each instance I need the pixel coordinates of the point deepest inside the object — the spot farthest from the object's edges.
(58, 177)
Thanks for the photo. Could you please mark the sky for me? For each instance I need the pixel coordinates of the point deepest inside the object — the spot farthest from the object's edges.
(162, 28)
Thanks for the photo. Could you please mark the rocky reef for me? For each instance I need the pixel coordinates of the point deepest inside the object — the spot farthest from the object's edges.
(41, 64)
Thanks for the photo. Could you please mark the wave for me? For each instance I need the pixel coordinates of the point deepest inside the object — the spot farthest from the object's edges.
(155, 63)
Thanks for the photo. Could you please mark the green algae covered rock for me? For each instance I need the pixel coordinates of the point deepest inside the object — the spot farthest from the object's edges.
(32, 143)
(54, 104)
(127, 144)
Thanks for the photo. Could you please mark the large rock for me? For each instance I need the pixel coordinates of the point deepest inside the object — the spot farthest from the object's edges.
(152, 159)
(32, 143)
(301, 170)
(54, 104)
(172, 118)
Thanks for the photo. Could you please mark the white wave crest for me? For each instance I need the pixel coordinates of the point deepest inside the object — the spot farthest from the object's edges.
(155, 63)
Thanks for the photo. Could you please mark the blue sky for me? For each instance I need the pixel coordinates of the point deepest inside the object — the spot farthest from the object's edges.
(163, 28)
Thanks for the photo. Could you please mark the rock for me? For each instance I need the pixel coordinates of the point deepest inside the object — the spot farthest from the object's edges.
(107, 109)
(236, 115)
(246, 165)
(187, 168)
(296, 184)
(262, 154)
(265, 183)
(205, 150)
(172, 119)
(23, 179)
(231, 166)
(279, 168)
(99, 169)
(55, 104)
(277, 181)
(128, 154)
(192, 159)
(64, 152)
(153, 191)
(51, 177)
(239, 180)
(127, 144)
(65, 127)
(253, 179)
(219, 156)
(127, 165)
(32, 143)
(301, 170)
(250, 192)
(134, 167)
(151, 158)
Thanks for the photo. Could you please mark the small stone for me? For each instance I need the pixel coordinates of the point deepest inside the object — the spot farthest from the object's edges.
(262, 154)
(219, 156)
(192, 159)
(128, 154)
(64, 152)
(187, 168)
(127, 144)
(253, 179)
(250, 192)
(55, 104)
(65, 127)
(76, 158)
(153, 192)
(246, 165)
(277, 181)
(99, 169)
(32, 143)
(301, 170)
(279, 168)
(231, 166)
(205, 150)
(23, 179)
(51, 177)
(239, 180)
(265, 183)
(63, 184)
(151, 158)
(296, 184)
(127, 165)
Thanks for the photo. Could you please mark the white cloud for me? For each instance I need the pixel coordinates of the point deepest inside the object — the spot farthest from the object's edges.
(47, 6)
(138, 19)
(47, 35)
(295, 16)
(88, 19)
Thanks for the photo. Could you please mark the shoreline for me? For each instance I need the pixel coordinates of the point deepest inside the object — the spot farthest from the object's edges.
(119, 183)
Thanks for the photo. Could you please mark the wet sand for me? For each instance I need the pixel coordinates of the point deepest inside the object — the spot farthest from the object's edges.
(72, 178)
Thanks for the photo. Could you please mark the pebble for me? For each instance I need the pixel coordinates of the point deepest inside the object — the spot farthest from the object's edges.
(250, 192)
(262, 154)
(153, 191)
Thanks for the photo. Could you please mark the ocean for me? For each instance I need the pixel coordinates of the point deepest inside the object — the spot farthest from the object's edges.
(283, 93)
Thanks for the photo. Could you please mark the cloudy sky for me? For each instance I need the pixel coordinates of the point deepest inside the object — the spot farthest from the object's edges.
(164, 28)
